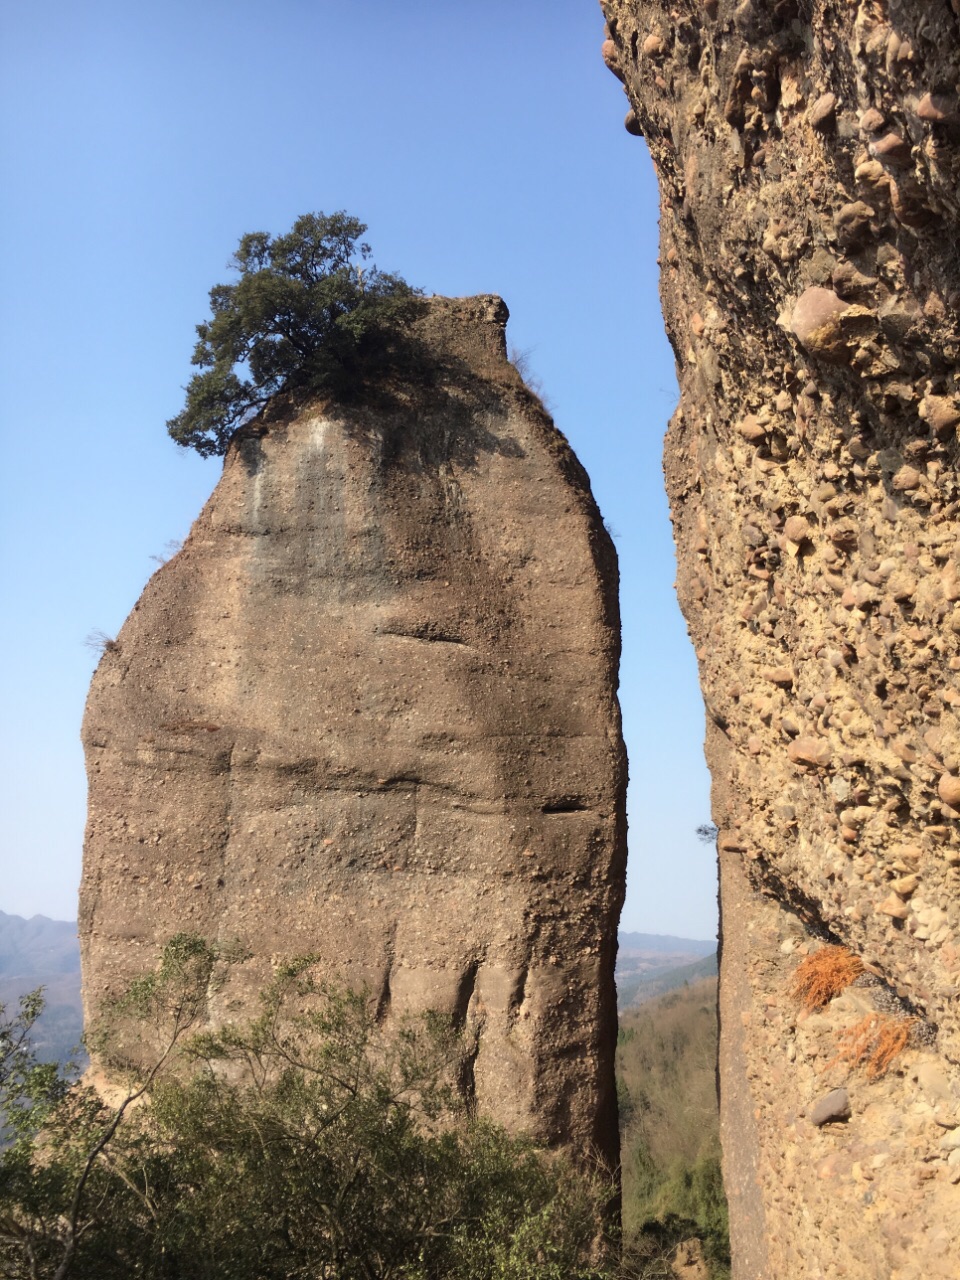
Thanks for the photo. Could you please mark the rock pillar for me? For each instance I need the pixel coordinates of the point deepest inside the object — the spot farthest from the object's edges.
(369, 712)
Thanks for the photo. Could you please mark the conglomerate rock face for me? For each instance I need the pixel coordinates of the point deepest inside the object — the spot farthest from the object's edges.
(808, 153)
(369, 713)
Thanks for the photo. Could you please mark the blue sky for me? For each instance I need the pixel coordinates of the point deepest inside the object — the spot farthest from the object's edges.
(483, 144)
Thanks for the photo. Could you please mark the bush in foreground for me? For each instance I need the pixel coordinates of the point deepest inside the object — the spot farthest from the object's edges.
(295, 1145)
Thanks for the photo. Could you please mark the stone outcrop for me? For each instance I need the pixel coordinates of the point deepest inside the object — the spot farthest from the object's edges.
(369, 712)
(808, 154)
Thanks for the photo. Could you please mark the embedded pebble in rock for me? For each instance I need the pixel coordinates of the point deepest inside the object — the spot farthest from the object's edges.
(608, 51)
(906, 478)
(905, 885)
(809, 171)
(797, 529)
(834, 1105)
(872, 174)
(937, 107)
(934, 1081)
(948, 789)
(853, 221)
(823, 112)
(892, 147)
(872, 121)
(941, 412)
(631, 122)
(816, 323)
(751, 429)
(895, 907)
(779, 675)
(810, 751)
(908, 208)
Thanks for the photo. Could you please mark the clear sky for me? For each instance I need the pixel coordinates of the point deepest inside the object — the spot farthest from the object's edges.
(483, 144)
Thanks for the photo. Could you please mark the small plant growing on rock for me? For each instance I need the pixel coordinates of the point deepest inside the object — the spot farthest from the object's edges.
(823, 975)
(101, 643)
(875, 1042)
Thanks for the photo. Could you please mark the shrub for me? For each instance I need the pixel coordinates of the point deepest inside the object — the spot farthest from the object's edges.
(101, 643)
(296, 1144)
(673, 1188)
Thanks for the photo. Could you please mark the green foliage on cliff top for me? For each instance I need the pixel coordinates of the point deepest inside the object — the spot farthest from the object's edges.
(306, 314)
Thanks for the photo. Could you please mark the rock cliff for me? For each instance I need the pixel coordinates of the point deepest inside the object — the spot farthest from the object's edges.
(369, 712)
(808, 154)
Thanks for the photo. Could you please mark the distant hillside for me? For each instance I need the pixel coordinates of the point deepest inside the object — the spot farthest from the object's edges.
(670, 1129)
(44, 953)
(37, 945)
(636, 990)
(648, 959)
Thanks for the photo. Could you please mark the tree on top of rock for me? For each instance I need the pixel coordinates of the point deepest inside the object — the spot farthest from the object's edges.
(305, 315)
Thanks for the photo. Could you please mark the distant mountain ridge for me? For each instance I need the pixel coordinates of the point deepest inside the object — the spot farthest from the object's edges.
(664, 944)
(649, 964)
(635, 991)
(37, 946)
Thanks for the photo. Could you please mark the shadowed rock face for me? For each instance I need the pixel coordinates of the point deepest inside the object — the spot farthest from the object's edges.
(808, 154)
(369, 712)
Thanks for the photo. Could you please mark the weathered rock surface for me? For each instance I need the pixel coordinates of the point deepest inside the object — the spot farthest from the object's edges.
(369, 712)
(808, 154)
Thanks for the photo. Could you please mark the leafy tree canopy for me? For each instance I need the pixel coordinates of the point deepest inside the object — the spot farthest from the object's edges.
(306, 314)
